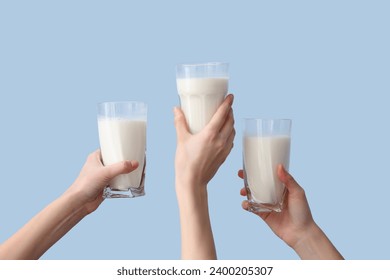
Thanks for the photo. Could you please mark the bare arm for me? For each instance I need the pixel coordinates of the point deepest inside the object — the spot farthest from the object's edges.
(196, 234)
(43, 230)
(198, 158)
(54, 221)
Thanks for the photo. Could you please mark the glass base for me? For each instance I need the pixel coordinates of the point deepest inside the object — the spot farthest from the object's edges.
(264, 207)
(261, 207)
(130, 193)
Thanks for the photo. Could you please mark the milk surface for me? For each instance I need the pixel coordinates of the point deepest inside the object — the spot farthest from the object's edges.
(122, 139)
(200, 99)
(261, 156)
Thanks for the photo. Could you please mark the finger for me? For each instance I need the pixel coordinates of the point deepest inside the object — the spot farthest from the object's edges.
(243, 192)
(288, 180)
(229, 144)
(219, 117)
(245, 205)
(180, 123)
(96, 153)
(95, 156)
(122, 167)
(228, 126)
(241, 173)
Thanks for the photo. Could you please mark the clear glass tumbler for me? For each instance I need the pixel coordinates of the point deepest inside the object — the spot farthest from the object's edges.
(266, 144)
(202, 88)
(122, 135)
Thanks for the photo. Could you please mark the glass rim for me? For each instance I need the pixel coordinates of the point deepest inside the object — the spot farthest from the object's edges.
(201, 64)
(267, 119)
(121, 102)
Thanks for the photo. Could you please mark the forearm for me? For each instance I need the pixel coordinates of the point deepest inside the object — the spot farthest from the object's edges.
(45, 229)
(315, 245)
(196, 234)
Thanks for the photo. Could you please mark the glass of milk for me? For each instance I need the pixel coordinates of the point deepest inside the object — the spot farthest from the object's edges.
(266, 144)
(202, 88)
(122, 136)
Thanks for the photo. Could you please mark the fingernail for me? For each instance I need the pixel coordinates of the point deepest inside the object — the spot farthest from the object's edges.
(232, 99)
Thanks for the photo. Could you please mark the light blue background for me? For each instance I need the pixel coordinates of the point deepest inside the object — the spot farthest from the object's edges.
(324, 64)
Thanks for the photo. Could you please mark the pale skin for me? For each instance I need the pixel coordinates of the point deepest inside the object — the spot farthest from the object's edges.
(198, 157)
(82, 198)
(295, 224)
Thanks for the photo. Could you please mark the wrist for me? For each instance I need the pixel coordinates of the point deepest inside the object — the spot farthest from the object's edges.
(74, 199)
(191, 193)
(314, 244)
(306, 235)
(190, 184)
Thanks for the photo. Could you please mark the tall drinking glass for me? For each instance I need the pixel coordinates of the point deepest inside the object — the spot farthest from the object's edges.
(122, 135)
(266, 144)
(202, 88)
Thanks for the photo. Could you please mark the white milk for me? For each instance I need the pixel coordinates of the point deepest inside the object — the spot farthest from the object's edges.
(262, 155)
(122, 139)
(200, 99)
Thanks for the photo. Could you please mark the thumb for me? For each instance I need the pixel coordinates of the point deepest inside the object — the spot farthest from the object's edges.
(180, 123)
(122, 167)
(288, 180)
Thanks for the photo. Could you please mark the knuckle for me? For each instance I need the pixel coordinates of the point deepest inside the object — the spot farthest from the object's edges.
(210, 135)
(125, 165)
(220, 144)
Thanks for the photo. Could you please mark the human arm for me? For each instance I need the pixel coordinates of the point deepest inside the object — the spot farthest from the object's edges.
(198, 158)
(53, 222)
(295, 224)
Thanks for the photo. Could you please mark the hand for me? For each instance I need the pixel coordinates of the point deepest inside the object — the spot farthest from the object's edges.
(295, 224)
(295, 218)
(94, 177)
(199, 156)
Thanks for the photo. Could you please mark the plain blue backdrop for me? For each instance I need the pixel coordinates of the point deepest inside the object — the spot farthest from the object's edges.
(324, 64)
